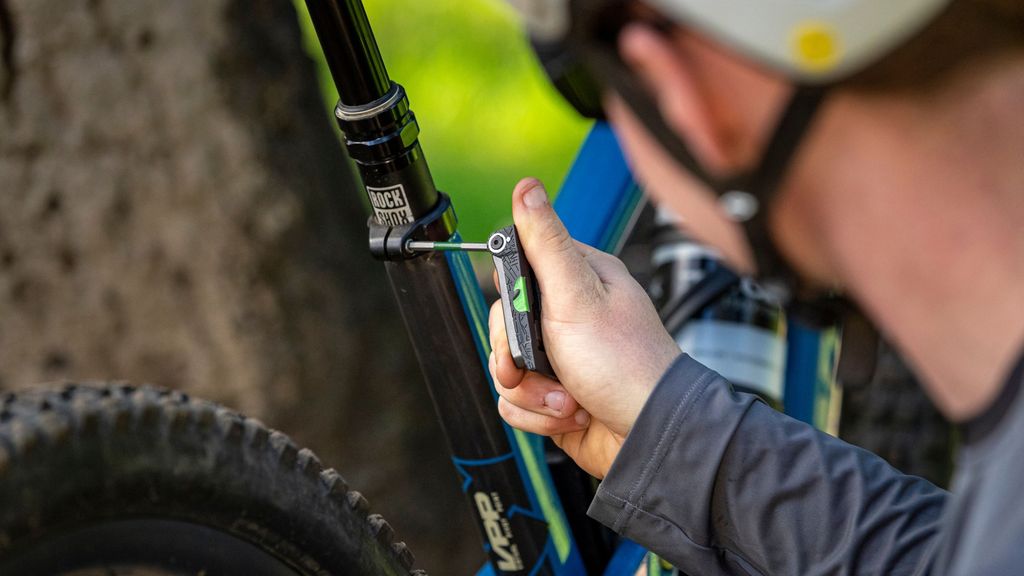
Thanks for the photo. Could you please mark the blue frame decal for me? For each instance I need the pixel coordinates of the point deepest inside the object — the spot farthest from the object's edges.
(462, 465)
(560, 551)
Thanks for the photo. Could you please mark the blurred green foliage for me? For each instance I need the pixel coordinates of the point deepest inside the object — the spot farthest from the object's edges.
(487, 114)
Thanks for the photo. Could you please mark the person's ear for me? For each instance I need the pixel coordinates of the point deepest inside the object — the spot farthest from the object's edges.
(663, 69)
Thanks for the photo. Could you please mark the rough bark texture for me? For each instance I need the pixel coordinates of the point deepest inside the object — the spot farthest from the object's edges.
(174, 209)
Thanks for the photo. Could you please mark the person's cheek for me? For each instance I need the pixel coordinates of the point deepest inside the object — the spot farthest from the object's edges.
(671, 187)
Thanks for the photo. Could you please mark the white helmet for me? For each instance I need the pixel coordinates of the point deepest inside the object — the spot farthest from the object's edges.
(809, 40)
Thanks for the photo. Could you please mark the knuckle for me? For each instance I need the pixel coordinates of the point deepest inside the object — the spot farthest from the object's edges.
(590, 298)
(554, 237)
(586, 302)
(618, 265)
(550, 425)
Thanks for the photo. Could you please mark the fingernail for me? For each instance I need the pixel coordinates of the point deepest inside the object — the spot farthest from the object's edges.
(535, 197)
(582, 418)
(555, 400)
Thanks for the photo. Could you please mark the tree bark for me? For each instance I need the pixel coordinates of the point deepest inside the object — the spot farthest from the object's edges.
(175, 209)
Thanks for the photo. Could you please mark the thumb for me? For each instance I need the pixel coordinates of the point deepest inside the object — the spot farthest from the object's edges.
(564, 277)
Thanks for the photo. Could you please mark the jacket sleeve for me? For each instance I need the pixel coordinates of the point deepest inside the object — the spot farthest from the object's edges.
(716, 482)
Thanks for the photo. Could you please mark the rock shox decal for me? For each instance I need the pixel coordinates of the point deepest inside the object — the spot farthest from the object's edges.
(390, 205)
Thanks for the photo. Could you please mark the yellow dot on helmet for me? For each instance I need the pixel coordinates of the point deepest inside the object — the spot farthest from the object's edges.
(816, 46)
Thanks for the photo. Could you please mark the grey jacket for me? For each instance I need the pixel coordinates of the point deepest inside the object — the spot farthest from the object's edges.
(716, 482)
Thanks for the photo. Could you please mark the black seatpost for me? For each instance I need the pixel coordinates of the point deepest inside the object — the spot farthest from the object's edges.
(351, 51)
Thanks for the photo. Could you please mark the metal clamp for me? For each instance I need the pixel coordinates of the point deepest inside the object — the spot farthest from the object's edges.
(392, 242)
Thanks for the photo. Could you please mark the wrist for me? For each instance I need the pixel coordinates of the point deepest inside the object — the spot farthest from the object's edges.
(648, 380)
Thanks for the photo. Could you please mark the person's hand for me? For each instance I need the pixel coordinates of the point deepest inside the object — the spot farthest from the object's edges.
(601, 333)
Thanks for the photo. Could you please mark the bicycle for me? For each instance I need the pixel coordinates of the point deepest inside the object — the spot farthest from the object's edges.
(168, 481)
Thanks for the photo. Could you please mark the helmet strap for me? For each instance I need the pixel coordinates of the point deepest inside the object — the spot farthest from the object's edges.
(761, 184)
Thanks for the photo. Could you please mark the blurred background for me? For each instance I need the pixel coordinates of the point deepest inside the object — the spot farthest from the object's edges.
(175, 209)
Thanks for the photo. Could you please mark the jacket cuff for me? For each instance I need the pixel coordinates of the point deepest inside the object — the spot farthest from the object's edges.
(666, 469)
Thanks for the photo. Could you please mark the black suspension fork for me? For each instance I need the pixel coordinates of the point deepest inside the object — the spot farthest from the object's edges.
(381, 136)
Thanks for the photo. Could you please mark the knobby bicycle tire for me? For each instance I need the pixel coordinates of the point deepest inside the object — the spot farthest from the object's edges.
(116, 479)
